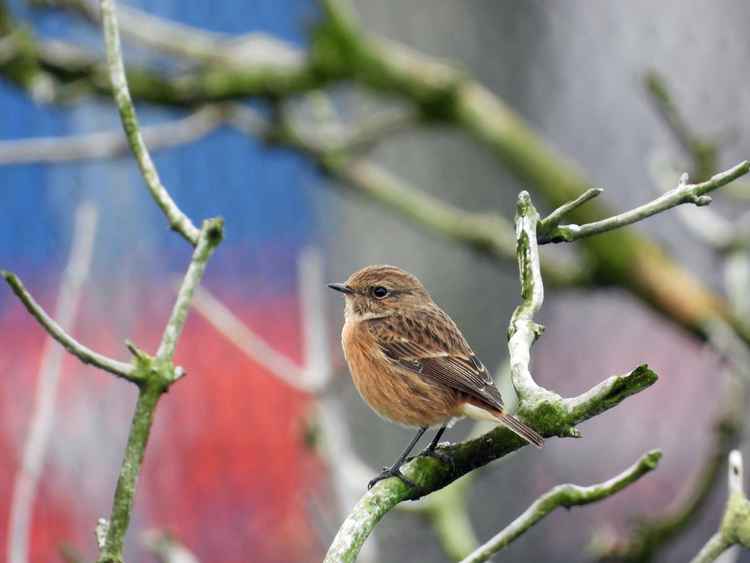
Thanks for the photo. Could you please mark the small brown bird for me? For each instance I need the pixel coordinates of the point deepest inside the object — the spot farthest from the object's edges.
(410, 362)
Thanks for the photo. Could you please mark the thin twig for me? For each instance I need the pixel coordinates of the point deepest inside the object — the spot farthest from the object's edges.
(177, 219)
(553, 219)
(109, 144)
(25, 484)
(735, 524)
(708, 225)
(566, 496)
(209, 238)
(248, 341)
(316, 347)
(487, 232)
(683, 193)
(186, 41)
(83, 353)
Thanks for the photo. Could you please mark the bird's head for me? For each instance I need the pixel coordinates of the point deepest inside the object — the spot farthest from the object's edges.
(379, 291)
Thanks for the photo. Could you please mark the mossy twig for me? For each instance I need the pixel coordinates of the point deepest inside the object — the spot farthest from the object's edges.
(566, 496)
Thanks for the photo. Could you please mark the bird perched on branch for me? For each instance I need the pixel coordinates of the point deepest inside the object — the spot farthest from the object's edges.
(410, 362)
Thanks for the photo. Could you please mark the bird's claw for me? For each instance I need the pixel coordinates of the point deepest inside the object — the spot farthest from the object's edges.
(387, 473)
(437, 454)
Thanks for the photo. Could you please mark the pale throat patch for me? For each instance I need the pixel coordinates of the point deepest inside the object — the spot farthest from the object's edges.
(352, 316)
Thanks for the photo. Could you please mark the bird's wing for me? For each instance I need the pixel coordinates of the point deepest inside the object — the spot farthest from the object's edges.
(429, 343)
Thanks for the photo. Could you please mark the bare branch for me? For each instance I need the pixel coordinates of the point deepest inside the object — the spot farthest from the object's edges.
(523, 331)
(86, 355)
(735, 524)
(177, 220)
(553, 219)
(186, 41)
(317, 350)
(248, 341)
(109, 144)
(209, 238)
(683, 193)
(487, 232)
(25, 484)
(728, 237)
(565, 496)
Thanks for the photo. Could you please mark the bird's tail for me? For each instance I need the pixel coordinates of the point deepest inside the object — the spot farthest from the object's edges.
(494, 414)
(512, 423)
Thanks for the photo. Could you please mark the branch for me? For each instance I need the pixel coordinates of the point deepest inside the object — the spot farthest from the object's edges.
(489, 233)
(86, 355)
(654, 533)
(735, 524)
(554, 218)
(683, 193)
(208, 239)
(551, 418)
(246, 340)
(565, 496)
(523, 331)
(185, 41)
(25, 484)
(178, 221)
(109, 144)
(156, 375)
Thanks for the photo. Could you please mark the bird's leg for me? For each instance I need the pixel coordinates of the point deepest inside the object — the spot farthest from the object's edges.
(394, 470)
(432, 451)
(431, 448)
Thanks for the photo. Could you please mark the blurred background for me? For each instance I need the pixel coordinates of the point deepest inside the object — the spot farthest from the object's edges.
(236, 468)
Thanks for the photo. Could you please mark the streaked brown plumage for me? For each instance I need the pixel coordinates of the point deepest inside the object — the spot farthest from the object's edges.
(410, 362)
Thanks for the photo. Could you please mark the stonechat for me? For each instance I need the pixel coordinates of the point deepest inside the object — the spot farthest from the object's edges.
(410, 362)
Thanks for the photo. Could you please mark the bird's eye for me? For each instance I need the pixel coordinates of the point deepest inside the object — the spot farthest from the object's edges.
(379, 292)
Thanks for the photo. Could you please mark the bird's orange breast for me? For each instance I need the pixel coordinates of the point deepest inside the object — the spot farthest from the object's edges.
(393, 392)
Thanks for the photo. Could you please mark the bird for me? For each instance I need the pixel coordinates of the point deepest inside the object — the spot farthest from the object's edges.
(411, 364)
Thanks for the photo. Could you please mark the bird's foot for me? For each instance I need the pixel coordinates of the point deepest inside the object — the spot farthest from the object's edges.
(434, 452)
(393, 471)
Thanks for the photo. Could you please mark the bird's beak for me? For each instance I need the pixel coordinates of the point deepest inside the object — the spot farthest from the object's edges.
(342, 287)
